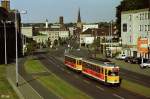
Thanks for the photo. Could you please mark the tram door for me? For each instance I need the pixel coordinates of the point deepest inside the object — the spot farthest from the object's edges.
(106, 75)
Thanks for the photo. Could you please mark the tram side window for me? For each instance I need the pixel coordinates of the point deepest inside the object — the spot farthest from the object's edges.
(102, 71)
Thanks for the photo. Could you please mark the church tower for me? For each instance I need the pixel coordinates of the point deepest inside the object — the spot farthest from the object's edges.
(79, 22)
(46, 23)
(6, 4)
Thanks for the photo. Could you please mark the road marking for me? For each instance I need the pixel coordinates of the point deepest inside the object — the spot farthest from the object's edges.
(31, 87)
(120, 97)
(100, 88)
(86, 81)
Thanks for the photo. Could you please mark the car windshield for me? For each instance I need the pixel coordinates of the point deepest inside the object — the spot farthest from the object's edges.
(110, 73)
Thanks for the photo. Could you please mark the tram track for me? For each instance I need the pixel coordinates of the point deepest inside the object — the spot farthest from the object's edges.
(82, 84)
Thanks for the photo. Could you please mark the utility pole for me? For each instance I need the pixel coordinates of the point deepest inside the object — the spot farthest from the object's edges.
(111, 36)
(16, 27)
(5, 37)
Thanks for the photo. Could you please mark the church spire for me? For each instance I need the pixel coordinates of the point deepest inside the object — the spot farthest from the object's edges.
(79, 17)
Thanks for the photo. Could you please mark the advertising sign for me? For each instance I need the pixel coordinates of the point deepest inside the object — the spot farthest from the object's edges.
(142, 45)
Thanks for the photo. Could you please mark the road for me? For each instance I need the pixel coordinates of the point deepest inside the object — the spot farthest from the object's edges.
(125, 74)
(91, 87)
(41, 90)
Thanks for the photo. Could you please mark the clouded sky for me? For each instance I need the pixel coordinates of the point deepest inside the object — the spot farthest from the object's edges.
(91, 10)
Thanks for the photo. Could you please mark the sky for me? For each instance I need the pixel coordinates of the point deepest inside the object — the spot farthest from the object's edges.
(91, 10)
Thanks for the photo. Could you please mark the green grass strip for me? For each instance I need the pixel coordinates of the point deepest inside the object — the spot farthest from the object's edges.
(6, 91)
(136, 88)
(61, 88)
(34, 66)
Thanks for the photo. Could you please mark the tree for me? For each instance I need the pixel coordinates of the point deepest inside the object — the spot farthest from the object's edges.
(55, 42)
(31, 47)
(49, 42)
(96, 44)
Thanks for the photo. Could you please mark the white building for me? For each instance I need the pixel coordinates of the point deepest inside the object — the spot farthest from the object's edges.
(54, 34)
(134, 24)
(40, 39)
(89, 26)
(86, 38)
(27, 31)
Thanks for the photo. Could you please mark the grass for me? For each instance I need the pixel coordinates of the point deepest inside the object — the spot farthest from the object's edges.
(61, 88)
(6, 91)
(136, 88)
(54, 84)
(34, 66)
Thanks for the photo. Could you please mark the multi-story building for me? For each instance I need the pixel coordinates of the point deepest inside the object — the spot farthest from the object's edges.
(27, 31)
(135, 24)
(89, 26)
(7, 25)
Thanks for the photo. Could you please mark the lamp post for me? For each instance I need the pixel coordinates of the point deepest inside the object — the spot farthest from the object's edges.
(111, 35)
(5, 38)
(4, 23)
(16, 32)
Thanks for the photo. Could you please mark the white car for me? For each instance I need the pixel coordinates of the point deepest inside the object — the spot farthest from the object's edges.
(145, 64)
(122, 57)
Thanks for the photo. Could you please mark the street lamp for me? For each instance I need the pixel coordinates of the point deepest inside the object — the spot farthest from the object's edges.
(111, 31)
(4, 23)
(5, 37)
(16, 28)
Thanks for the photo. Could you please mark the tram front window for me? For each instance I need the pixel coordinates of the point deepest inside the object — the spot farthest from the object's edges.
(110, 73)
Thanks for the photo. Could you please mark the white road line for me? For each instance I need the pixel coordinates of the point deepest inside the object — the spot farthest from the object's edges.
(31, 87)
(86, 81)
(120, 97)
(100, 88)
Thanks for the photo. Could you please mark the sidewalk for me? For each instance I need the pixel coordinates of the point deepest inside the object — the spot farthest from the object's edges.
(24, 91)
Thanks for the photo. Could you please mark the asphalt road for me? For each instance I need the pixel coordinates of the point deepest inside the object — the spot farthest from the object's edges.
(41, 90)
(125, 74)
(91, 87)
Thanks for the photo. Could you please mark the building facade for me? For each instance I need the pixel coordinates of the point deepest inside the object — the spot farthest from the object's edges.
(27, 31)
(135, 24)
(89, 26)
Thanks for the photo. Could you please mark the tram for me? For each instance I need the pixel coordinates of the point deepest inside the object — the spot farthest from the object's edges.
(73, 62)
(106, 72)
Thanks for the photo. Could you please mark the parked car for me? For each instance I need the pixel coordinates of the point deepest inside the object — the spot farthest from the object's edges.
(128, 59)
(137, 60)
(145, 64)
(121, 57)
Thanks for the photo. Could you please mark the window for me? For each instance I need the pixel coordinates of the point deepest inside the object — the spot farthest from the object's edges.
(148, 27)
(130, 17)
(145, 27)
(139, 27)
(140, 16)
(149, 15)
(145, 15)
(125, 27)
(110, 73)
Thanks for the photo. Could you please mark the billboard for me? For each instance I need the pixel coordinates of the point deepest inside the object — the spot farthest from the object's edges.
(142, 45)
